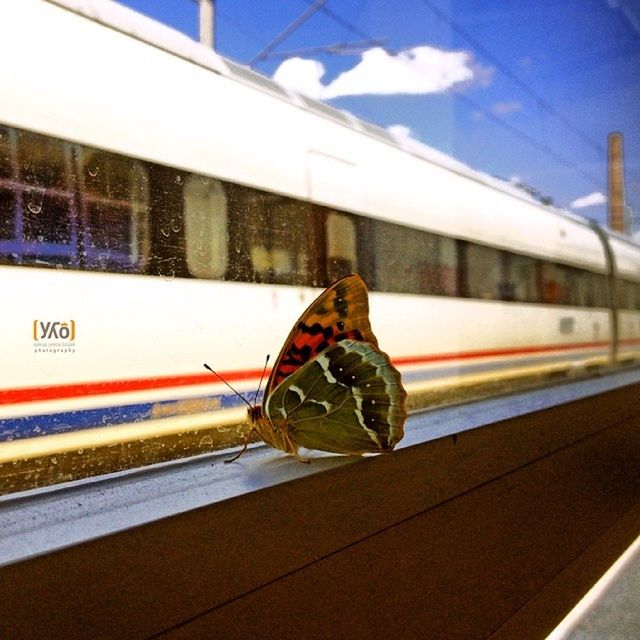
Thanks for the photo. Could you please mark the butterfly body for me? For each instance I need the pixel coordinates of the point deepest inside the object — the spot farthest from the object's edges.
(332, 389)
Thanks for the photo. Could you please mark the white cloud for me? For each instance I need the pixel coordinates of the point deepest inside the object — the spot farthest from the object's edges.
(414, 71)
(401, 133)
(420, 70)
(302, 76)
(589, 201)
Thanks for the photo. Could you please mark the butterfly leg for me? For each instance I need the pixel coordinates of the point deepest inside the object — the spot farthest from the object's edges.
(292, 448)
(244, 448)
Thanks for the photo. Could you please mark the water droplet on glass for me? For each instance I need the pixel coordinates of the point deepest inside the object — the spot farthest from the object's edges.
(168, 276)
(34, 200)
(40, 238)
(179, 180)
(164, 231)
(93, 171)
(176, 225)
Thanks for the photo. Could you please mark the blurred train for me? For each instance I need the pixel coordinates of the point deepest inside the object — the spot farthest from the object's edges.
(161, 206)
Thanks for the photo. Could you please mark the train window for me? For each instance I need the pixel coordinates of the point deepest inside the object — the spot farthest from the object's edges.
(632, 295)
(272, 238)
(568, 276)
(7, 214)
(484, 272)
(628, 294)
(448, 261)
(414, 261)
(46, 218)
(580, 292)
(205, 221)
(6, 164)
(37, 209)
(552, 283)
(635, 295)
(599, 289)
(400, 258)
(342, 255)
(44, 163)
(114, 199)
(518, 282)
(621, 294)
(7, 199)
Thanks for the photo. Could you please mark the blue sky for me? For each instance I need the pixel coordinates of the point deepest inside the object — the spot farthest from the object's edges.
(527, 91)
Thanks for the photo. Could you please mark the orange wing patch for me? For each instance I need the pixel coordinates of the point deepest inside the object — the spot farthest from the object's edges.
(341, 312)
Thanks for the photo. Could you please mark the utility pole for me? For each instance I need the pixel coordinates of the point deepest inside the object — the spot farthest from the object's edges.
(617, 209)
(207, 23)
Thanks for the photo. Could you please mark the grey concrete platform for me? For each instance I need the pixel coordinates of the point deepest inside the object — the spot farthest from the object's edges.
(611, 609)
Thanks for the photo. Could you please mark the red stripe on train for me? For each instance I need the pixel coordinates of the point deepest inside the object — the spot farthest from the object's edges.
(60, 392)
(486, 353)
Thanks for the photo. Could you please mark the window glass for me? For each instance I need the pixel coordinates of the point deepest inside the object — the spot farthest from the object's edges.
(114, 207)
(628, 294)
(448, 266)
(342, 255)
(7, 214)
(44, 162)
(7, 198)
(414, 261)
(580, 288)
(467, 125)
(552, 283)
(38, 222)
(484, 272)
(272, 237)
(636, 295)
(205, 218)
(519, 278)
(7, 169)
(600, 289)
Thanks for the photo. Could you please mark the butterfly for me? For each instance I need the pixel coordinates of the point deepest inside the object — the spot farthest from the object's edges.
(331, 387)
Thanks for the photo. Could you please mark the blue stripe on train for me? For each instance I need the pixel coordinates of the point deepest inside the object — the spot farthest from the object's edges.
(47, 424)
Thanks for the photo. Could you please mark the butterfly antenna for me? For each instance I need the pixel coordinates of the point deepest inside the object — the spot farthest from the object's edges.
(215, 373)
(266, 362)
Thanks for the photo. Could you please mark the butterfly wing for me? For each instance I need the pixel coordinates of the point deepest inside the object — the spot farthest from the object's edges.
(349, 399)
(341, 311)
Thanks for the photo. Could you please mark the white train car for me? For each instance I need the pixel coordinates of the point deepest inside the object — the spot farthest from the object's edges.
(161, 206)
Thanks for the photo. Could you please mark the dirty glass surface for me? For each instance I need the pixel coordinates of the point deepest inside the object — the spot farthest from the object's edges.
(126, 263)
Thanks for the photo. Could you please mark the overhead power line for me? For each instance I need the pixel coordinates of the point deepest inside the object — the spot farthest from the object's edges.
(350, 27)
(527, 138)
(542, 103)
(320, 5)
(283, 35)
